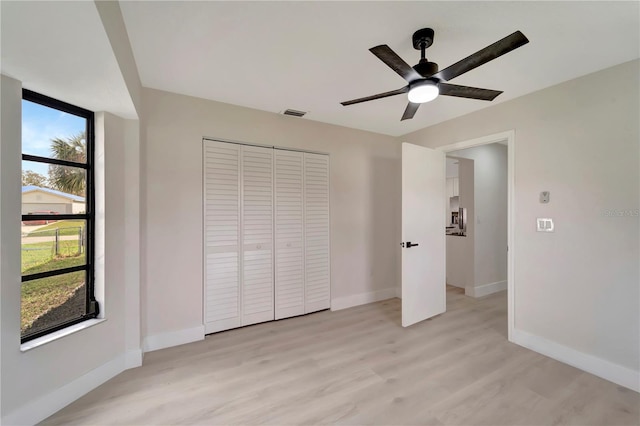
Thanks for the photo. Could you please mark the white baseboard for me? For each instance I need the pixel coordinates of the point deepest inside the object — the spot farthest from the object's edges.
(41, 408)
(486, 289)
(362, 298)
(607, 370)
(173, 338)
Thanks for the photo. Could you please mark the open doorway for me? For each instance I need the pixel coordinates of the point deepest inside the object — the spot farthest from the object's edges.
(424, 219)
(479, 218)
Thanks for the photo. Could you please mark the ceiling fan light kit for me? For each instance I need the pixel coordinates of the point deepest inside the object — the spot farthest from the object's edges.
(425, 80)
(423, 91)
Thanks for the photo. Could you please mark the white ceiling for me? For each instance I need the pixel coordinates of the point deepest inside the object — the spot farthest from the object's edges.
(311, 56)
(60, 49)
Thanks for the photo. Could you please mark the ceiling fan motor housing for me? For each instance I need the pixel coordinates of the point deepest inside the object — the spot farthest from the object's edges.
(426, 68)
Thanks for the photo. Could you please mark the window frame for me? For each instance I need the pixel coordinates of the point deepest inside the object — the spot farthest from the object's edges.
(92, 307)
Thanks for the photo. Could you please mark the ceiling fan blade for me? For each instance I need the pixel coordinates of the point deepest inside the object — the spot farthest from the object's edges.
(395, 62)
(468, 92)
(410, 111)
(378, 96)
(483, 56)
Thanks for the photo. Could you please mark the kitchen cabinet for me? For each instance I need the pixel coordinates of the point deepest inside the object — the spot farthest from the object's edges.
(453, 187)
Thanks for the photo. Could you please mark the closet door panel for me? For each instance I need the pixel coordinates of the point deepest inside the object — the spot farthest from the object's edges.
(257, 235)
(289, 219)
(222, 236)
(316, 231)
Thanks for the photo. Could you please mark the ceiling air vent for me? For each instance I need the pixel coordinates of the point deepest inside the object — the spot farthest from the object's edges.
(294, 113)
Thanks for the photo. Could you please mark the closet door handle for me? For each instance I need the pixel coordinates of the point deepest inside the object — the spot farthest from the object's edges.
(410, 244)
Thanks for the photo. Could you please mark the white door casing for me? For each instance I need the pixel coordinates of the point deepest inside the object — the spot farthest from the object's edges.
(423, 223)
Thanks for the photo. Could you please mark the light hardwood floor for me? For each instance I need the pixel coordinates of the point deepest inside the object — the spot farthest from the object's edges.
(359, 366)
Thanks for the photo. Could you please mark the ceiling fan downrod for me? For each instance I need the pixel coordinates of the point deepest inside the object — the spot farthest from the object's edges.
(422, 39)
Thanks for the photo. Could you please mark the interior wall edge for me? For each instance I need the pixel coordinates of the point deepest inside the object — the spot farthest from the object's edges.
(604, 369)
(10, 200)
(173, 338)
(39, 409)
(114, 27)
(345, 302)
(486, 289)
(133, 358)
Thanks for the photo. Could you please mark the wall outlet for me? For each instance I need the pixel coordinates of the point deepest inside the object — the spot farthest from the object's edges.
(544, 197)
(544, 224)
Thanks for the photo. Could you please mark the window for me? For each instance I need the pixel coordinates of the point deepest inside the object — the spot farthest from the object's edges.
(57, 216)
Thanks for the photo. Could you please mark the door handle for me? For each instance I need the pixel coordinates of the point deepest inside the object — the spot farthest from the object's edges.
(410, 244)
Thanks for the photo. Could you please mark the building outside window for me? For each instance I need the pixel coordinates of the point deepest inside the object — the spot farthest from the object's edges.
(57, 216)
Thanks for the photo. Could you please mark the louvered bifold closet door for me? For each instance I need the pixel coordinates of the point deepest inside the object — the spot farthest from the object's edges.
(289, 166)
(316, 230)
(222, 289)
(257, 235)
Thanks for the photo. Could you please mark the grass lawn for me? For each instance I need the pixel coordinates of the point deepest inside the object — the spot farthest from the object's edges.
(34, 255)
(66, 227)
(38, 296)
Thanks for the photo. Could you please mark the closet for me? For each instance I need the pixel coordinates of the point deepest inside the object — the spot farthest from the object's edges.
(266, 234)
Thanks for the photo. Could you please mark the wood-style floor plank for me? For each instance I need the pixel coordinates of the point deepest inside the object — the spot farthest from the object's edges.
(359, 366)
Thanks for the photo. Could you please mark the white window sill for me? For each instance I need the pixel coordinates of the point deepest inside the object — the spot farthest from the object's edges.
(31, 344)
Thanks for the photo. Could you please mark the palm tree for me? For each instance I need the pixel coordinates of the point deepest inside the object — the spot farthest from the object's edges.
(69, 179)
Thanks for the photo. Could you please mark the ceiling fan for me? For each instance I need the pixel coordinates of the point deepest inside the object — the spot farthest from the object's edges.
(426, 82)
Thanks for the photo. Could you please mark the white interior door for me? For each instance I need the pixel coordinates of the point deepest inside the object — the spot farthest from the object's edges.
(423, 234)
(257, 234)
(289, 235)
(222, 254)
(316, 233)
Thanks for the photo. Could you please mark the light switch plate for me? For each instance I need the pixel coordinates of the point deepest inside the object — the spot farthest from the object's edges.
(545, 224)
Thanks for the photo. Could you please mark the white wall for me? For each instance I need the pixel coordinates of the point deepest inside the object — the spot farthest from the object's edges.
(490, 211)
(577, 289)
(45, 378)
(10, 197)
(132, 200)
(113, 23)
(365, 201)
